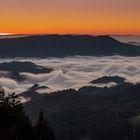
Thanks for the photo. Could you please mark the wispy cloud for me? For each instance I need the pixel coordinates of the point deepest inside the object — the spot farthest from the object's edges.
(75, 72)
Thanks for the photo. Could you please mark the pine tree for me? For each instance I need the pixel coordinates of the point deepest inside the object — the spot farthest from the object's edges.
(14, 124)
(42, 130)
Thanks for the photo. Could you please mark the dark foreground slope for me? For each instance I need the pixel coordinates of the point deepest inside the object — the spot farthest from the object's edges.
(65, 45)
(76, 116)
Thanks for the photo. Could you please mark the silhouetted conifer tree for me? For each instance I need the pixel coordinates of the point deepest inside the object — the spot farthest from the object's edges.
(14, 124)
(42, 130)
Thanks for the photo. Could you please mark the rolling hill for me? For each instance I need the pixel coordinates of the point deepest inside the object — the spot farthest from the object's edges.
(65, 45)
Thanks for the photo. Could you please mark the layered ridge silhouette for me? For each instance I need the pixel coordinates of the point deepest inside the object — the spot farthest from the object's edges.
(65, 45)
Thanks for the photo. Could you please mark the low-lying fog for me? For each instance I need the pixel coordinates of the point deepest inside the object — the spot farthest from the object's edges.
(73, 72)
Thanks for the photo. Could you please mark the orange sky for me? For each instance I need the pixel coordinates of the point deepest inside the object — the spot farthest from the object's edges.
(70, 16)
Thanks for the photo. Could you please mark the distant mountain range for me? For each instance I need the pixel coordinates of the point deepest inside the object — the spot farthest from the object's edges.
(121, 85)
(13, 69)
(65, 45)
(16, 66)
(134, 43)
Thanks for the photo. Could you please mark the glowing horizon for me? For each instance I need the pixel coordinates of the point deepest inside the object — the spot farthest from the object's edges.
(6, 34)
(112, 17)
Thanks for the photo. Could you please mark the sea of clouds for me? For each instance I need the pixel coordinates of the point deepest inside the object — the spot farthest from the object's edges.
(74, 72)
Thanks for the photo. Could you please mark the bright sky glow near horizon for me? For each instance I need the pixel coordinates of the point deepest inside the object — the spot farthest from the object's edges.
(70, 16)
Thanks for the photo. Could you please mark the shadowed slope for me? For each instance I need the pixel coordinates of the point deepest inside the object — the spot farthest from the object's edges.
(65, 45)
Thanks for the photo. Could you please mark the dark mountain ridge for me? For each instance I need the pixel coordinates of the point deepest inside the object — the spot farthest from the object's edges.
(74, 115)
(107, 79)
(26, 66)
(14, 68)
(65, 45)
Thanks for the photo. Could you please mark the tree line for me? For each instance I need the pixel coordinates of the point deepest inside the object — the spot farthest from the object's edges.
(15, 124)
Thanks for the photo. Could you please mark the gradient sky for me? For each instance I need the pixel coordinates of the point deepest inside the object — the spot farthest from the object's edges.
(70, 16)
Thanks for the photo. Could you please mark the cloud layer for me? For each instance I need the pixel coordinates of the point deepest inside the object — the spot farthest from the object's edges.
(75, 72)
